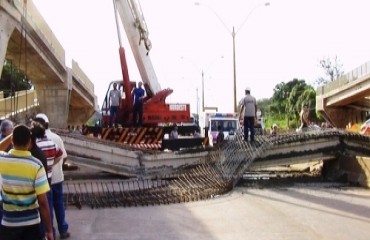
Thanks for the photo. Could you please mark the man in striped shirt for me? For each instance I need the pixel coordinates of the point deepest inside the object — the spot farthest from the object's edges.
(23, 191)
(51, 151)
(53, 155)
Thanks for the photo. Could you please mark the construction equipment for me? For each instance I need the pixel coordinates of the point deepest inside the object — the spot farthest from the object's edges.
(155, 110)
(158, 116)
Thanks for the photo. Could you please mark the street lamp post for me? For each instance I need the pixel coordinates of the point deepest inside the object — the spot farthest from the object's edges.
(202, 91)
(197, 107)
(233, 35)
(203, 74)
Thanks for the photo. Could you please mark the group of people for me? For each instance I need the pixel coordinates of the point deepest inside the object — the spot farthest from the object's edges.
(115, 96)
(174, 134)
(32, 181)
(249, 104)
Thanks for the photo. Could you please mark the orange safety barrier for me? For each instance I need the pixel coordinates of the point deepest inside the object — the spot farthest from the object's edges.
(140, 135)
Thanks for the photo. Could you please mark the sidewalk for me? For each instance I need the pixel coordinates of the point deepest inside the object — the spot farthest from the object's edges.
(303, 212)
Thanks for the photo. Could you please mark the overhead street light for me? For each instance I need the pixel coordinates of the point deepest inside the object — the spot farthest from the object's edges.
(233, 35)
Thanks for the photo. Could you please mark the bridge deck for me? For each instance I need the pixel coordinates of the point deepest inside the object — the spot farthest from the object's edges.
(218, 174)
(346, 100)
(29, 43)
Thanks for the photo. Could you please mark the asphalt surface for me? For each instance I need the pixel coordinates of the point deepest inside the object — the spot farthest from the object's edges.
(298, 211)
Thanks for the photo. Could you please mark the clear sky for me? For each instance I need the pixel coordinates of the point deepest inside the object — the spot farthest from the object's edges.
(275, 44)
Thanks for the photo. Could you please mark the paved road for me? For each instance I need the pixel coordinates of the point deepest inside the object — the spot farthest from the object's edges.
(300, 212)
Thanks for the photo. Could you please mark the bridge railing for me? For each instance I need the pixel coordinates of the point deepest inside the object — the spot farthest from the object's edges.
(353, 75)
(20, 102)
(35, 19)
(38, 23)
(82, 77)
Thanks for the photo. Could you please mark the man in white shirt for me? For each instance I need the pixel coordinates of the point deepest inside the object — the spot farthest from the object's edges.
(115, 102)
(57, 181)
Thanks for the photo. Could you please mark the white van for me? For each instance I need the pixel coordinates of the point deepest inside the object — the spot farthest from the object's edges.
(229, 123)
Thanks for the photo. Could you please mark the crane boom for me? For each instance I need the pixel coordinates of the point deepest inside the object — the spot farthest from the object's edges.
(155, 110)
(155, 114)
(137, 33)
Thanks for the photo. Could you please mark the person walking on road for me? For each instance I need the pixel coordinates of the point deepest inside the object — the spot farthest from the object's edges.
(250, 112)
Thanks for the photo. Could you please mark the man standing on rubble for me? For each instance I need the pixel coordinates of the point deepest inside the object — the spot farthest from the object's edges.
(250, 113)
(138, 95)
(115, 103)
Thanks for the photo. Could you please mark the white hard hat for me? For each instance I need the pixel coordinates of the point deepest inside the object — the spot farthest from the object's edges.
(248, 89)
(43, 116)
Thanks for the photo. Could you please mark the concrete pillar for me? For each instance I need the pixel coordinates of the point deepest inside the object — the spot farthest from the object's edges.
(351, 169)
(54, 102)
(7, 26)
(357, 169)
(79, 116)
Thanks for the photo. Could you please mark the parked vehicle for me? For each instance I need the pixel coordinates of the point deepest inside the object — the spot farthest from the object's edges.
(229, 123)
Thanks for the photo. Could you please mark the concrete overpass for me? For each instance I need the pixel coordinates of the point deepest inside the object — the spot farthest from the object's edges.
(346, 100)
(65, 94)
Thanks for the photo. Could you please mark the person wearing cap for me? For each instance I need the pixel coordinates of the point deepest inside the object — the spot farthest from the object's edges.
(50, 149)
(51, 152)
(57, 179)
(250, 112)
(24, 191)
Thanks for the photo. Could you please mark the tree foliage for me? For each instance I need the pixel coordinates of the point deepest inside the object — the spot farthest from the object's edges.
(12, 80)
(287, 100)
(264, 105)
(279, 97)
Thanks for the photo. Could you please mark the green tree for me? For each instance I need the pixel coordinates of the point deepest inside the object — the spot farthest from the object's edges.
(297, 88)
(13, 80)
(264, 105)
(278, 100)
(285, 104)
